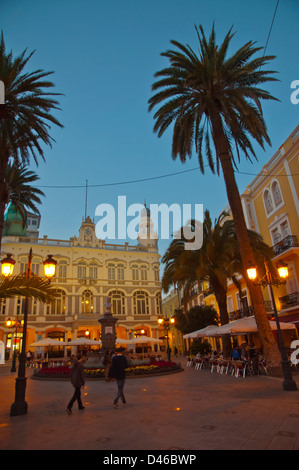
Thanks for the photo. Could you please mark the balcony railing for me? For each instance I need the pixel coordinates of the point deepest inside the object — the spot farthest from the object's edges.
(241, 313)
(207, 292)
(283, 245)
(288, 301)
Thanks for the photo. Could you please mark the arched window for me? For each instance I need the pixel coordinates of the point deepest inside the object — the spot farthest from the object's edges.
(111, 271)
(20, 305)
(135, 274)
(81, 271)
(158, 303)
(93, 271)
(58, 307)
(58, 335)
(33, 306)
(140, 303)
(268, 201)
(120, 272)
(276, 193)
(87, 302)
(34, 267)
(62, 269)
(118, 302)
(143, 273)
(156, 273)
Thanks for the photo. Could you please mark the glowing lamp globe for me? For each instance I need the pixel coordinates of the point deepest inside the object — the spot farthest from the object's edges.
(251, 272)
(283, 270)
(7, 265)
(50, 266)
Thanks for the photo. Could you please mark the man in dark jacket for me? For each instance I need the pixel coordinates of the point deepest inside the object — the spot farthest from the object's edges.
(78, 380)
(119, 364)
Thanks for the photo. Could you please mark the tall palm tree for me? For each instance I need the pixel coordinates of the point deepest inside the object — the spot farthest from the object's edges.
(212, 96)
(26, 117)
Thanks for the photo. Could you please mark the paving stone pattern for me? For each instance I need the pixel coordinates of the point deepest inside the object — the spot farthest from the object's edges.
(187, 411)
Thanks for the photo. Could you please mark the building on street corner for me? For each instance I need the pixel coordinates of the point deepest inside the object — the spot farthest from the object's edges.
(88, 271)
(271, 208)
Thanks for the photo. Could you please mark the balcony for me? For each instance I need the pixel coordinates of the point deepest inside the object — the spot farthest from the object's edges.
(248, 311)
(207, 292)
(288, 242)
(289, 301)
(241, 313)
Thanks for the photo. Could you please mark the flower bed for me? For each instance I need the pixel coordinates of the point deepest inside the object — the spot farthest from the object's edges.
(64, 372)
(60, 372)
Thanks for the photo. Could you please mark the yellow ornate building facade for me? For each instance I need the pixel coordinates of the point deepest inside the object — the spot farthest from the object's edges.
(88, 270)
(271, 208)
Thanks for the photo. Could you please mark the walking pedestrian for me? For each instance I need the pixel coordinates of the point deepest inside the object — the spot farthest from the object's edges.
(77, 380)
(119, 364)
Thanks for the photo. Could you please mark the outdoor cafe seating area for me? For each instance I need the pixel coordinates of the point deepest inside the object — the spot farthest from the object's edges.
(237, 368)
(245, 365)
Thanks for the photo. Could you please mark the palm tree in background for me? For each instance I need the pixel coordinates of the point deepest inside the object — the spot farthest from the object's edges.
(207, 97)
(216, 262)
(19, 192)
(26, 117)
(213, 263)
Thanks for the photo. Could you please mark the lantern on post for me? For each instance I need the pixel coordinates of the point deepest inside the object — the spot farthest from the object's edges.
(7, 265)
(50, 267)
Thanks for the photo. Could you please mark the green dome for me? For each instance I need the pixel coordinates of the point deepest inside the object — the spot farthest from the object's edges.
(13, 223)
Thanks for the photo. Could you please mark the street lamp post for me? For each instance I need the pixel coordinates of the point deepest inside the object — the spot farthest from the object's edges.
(14, 324)
(288, 384)
(20, 407)
(167, 322)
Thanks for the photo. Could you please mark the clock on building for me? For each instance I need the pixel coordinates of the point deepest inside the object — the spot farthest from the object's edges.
(87, 234)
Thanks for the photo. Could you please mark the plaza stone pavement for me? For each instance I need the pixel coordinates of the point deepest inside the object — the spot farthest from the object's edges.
(187, 411)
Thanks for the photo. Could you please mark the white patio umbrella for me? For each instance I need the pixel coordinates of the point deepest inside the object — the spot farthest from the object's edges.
(46, 342)
(210, 330)
(207, 331)
(193, 334)
(123, 341)
(248, 325)
(84, 341)
(145, 339)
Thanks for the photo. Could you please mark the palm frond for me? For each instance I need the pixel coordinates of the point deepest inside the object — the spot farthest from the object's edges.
(196, 86)
(36, 287)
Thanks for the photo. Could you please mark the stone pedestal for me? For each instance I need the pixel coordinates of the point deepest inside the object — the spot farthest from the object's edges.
(107, 322)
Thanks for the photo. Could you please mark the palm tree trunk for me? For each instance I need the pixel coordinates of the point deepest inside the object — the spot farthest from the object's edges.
(269, 344)
(3, 193)
(2, 210)
(220, 295)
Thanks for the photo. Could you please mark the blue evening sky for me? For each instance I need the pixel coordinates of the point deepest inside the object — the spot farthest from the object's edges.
(104, 55)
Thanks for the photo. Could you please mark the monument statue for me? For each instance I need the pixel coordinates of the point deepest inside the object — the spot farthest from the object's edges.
(107, 322)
